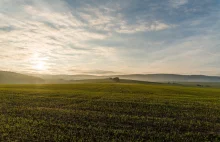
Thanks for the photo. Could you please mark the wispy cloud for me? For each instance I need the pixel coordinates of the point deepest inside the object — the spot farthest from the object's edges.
(108, 20)
(177, 3)
(102, 36)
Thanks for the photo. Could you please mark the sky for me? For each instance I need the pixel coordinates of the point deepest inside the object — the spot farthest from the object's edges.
(103, 37)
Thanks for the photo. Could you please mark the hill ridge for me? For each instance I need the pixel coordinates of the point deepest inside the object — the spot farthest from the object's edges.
(8, 77)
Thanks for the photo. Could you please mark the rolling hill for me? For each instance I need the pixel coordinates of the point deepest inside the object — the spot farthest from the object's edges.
(139, 77)
(16, 78)
(67, 77)
(171, 78)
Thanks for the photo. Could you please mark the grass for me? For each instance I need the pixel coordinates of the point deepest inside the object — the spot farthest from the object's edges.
(109, 112)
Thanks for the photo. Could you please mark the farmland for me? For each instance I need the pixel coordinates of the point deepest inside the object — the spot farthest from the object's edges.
(109, 112)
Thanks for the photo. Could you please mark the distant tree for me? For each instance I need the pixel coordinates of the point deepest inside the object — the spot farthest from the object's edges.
(116, 79)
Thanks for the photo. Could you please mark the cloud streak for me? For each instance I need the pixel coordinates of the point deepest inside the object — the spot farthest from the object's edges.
(101, 37)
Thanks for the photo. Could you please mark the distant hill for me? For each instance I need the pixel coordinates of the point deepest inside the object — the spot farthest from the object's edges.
(68, 77)
(171, 78)
(16, 78)
(140, 77)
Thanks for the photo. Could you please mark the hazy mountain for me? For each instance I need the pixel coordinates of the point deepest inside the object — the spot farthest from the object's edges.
(68, 77)
(171, 78)
(140, 77)
(16, 78)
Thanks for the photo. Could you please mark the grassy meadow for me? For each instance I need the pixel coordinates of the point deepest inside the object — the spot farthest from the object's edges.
(109, 112)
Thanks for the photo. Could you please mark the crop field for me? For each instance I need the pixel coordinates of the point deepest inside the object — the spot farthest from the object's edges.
(109, 112)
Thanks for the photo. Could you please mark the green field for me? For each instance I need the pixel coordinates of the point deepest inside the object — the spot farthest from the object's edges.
(109, 112)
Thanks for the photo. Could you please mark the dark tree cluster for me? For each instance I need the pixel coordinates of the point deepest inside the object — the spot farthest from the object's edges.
(116, 79)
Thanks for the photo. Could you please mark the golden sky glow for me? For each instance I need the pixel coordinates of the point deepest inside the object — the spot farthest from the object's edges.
(110, 37)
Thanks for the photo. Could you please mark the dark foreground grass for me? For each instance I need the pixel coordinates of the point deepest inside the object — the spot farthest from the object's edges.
(109, 112)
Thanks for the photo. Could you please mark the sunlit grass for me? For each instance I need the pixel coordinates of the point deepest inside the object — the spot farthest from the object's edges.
(109, 112)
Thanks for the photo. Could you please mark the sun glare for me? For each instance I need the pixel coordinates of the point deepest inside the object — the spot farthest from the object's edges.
(40, 66)
(39, 63)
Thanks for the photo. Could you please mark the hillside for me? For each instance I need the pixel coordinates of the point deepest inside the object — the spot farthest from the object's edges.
(140, 77)
(67, 77)
(171, 78)
(16, 78)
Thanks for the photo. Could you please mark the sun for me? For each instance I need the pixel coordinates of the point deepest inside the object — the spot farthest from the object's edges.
(40, 66)
(39, 63)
